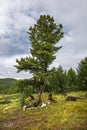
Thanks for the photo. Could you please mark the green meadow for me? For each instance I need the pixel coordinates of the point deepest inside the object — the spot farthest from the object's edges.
(61, 115)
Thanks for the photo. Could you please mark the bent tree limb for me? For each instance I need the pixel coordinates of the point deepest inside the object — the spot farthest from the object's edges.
(32, 97)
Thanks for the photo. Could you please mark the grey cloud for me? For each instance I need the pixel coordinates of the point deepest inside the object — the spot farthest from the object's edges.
(7, 68)
(13, 45)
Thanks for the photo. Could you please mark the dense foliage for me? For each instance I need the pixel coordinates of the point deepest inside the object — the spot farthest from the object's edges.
(72, 82)
(43, 37)
(82, 74)
(57, 80)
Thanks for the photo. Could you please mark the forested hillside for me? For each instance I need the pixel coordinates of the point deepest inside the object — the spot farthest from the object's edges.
(7, 85)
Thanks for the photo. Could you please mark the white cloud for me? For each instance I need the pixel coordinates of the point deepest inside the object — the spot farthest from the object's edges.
(7, 68)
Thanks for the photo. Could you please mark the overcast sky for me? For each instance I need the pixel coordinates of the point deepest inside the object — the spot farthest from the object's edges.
(16, 16)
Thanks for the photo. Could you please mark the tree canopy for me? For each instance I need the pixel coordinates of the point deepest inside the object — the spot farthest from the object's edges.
(44, 36)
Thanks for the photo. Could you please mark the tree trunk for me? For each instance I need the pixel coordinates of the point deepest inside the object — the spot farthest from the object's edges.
(39, 99)
(51, 98)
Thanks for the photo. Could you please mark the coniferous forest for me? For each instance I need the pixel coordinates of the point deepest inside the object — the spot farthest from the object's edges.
(59, 81)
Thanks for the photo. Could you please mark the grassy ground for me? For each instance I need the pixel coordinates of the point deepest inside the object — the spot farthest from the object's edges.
(62, 115)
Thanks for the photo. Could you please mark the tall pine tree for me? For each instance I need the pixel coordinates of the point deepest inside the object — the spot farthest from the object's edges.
(44, 36)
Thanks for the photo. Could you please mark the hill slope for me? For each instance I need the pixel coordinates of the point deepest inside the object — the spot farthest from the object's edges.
(6, 84)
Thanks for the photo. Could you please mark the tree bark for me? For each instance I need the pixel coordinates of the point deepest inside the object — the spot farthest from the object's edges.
(51, 98)
(39, 99)
(32, 97)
